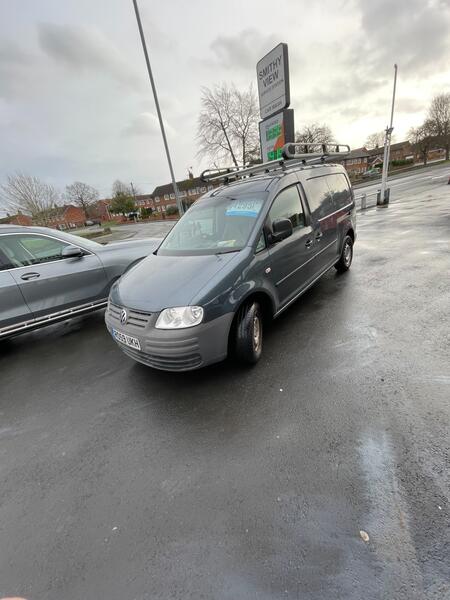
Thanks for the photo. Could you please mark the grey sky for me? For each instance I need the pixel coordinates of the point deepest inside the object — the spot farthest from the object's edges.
(75, 103)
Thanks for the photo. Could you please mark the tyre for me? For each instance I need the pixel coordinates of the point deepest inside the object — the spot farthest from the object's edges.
(344, 262)
(249, 333)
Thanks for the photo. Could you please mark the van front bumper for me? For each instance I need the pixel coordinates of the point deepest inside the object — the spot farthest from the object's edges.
(171, 349)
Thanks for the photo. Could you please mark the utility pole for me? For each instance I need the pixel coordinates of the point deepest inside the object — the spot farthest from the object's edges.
(384, 192)
(158, 110)
(134, 196)
(133, 191)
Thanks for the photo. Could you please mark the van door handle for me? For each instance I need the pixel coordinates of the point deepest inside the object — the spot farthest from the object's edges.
(319, 235)
(309, 243)
(27, 276)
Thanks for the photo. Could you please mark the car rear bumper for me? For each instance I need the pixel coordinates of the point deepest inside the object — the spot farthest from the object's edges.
(171, 350)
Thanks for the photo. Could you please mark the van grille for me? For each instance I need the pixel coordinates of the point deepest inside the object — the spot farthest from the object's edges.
(135, 318)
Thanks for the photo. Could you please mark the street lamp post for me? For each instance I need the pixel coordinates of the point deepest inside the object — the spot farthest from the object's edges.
(158, 110)
(383, 194)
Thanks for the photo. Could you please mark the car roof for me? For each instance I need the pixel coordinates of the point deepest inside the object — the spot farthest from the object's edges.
(249, 185)
(262, 182)
(8, 228)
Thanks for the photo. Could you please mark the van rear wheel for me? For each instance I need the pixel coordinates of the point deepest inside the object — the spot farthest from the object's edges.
(249, 333)
(345, 260)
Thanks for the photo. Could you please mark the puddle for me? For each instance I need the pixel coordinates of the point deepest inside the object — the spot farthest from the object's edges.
(387, 522)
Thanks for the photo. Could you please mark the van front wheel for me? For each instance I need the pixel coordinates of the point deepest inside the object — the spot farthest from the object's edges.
(249, 333)
(345, 260)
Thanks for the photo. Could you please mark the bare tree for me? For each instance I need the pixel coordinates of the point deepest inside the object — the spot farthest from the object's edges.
(439, 119)
(228, 124)
(314, 133)
(82, 195)
(422, 139)
(244, 122)
(375, 140)
(121, 188)
(30, 195)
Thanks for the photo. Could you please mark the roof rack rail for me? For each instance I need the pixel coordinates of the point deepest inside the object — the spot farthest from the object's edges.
(293, 154)
(311, 150)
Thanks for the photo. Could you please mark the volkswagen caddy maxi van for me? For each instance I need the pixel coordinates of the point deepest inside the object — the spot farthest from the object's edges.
(239, 256)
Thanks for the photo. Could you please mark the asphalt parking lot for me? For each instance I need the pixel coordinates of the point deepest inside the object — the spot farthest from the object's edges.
(121, 482)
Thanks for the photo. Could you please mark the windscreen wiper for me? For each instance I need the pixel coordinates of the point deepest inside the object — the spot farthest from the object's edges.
(228, 251)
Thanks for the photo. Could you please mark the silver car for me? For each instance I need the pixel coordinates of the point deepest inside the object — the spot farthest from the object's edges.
(48, 276)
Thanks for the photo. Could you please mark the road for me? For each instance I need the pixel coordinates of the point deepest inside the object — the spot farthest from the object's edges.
(121, 482)
(138, 230)
(405, 182)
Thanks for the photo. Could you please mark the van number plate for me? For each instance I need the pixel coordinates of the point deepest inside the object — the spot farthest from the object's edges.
(128, 340)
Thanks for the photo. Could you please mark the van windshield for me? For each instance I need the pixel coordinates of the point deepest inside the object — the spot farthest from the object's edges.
(214, 226)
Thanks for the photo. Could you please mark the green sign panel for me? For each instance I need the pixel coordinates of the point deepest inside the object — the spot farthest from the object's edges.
(274, 133)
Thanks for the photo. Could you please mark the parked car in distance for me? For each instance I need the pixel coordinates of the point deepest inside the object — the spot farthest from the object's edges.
(238, 257)
(372, 172)
(48, 276)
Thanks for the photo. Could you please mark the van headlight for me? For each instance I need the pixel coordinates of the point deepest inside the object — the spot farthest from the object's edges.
(179, 317)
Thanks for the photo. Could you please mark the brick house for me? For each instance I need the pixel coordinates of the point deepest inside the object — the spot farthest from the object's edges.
(437, 153)
(356, 162)
(162, 197)
(399, 151)
(100, 210)
(190, 189)
(19, 219)
(144, 201)
(65, 217)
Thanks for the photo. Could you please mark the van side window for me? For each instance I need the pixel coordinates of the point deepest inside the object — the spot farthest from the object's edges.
(320, 198)
(339, 187)
(261, 243)
(287, 205)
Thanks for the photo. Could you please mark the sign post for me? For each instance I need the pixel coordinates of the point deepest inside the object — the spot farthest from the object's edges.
(277, 125)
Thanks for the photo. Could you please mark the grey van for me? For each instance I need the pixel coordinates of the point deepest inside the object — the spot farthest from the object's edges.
(239, 256)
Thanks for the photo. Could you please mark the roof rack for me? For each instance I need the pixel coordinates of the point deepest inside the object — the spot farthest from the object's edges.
(294, 154)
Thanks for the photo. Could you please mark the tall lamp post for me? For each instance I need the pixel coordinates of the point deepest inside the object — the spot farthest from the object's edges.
(158, 110)
(383, 194)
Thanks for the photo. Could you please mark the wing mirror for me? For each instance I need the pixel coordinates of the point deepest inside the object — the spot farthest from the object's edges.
(281, 229)
(72, 252)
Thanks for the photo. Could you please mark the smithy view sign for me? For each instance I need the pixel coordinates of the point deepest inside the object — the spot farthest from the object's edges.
(273, 81)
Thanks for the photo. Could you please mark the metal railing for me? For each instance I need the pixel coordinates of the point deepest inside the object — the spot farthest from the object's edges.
(362, 200)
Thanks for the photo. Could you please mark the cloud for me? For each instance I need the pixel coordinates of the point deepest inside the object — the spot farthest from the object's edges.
(12, 54)
(75, 101)
(82, 48)
(146, 124)
(242, 50)
(413, 33)
(409, 105)
(342, 90)
(15, 66)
